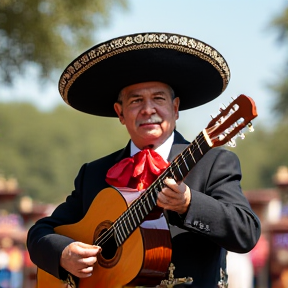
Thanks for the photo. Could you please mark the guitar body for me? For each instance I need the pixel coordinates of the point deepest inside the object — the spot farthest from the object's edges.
(143, 259)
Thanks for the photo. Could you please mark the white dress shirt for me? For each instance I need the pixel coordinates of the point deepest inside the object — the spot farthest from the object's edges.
(131, 194)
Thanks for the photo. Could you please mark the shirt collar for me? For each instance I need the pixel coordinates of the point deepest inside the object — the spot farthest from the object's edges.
(163, 150)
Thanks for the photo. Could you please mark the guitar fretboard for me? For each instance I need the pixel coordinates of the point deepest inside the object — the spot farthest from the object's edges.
(142, 206)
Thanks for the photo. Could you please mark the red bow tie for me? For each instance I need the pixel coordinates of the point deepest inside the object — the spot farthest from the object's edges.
(138, 171)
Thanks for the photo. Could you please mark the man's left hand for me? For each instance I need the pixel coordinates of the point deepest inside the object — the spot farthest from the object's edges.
(175, 197)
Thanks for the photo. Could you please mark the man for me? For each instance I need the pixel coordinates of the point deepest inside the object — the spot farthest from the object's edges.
(148, 78)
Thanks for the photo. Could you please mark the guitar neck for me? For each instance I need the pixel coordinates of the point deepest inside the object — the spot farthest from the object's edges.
(142, 206)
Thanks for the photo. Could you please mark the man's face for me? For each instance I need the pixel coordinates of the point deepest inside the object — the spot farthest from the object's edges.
(149, 113)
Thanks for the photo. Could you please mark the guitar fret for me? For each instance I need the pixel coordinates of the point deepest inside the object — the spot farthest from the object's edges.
(120, 226)
(152, 197)
(118, 229)
(188, 169)
(137, 215)
(140, 211)
(131, 227)
(126, 228)
(198, 146)
(145, 208)
(117, 237)
(192, 155)
(132, 219)
(148, 202)
(178, 166)
(170, 169)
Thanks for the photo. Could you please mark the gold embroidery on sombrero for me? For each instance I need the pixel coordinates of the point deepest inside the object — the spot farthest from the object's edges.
(121, 45)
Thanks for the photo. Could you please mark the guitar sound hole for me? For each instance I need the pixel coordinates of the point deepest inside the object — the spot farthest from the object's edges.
(109, 248)
(110, 254)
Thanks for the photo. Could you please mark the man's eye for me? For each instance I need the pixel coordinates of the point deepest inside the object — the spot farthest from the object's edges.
(136, 101)
(159, 98)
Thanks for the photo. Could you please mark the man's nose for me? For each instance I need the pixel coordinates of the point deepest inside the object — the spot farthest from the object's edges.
(148, 107)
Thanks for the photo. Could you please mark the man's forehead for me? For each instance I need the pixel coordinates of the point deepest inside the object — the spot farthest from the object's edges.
(152, 87)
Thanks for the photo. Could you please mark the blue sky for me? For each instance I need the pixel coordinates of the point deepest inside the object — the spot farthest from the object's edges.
(238, 29)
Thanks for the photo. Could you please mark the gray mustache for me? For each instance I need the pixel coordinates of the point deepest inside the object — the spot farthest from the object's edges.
(153, 119)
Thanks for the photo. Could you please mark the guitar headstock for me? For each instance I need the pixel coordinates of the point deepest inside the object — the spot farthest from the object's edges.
(231, 120)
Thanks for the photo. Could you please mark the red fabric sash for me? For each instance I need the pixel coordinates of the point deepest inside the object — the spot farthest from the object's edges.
(139, 171)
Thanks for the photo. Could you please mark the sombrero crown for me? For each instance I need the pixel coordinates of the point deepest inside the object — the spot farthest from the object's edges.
(196, 71)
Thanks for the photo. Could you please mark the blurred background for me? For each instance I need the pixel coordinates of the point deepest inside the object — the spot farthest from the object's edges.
(43, 142)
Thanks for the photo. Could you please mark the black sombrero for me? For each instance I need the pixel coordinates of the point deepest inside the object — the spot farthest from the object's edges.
(196, 71)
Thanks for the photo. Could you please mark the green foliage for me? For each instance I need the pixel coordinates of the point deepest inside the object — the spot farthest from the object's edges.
(45, 151)
(281, 91)
(48, 32)
(261, 154)
(281, 88)
(281, 23)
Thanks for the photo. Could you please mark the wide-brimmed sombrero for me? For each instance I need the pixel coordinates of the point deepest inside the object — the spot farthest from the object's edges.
(196, 71)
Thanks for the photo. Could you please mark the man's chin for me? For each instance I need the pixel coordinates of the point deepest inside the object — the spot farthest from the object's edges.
(152, 134)
(152, 138)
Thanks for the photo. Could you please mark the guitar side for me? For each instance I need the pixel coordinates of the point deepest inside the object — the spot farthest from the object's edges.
(107, 205)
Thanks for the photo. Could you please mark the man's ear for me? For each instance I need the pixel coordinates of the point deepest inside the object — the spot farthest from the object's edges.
(176, 103)
(119, 112)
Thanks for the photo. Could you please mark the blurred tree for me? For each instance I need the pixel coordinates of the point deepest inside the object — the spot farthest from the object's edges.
(48, 32)
(261, 154)
(281, 88)
(44, 151)
(256, 158)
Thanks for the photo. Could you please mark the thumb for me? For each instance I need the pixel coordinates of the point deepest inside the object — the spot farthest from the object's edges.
(88, 248)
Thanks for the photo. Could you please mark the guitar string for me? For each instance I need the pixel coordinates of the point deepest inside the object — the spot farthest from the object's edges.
(109, 233)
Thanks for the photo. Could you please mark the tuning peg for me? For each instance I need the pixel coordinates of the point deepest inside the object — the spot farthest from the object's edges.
(250, 127)
(235, 107)
(221, 137)
(241, 135)
(240, 121)
(231, 143)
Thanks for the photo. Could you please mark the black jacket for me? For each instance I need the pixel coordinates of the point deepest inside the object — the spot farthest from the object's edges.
(219, 217)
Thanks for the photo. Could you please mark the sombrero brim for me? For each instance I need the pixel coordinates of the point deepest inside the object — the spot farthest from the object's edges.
(196, 72)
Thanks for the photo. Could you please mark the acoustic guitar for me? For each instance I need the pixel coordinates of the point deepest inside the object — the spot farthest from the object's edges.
(132, 255)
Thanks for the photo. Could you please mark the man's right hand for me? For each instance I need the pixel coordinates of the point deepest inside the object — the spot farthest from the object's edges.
(78, 258)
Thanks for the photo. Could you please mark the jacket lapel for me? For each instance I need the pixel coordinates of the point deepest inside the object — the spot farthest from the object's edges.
(179, 144)
(124, 153)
